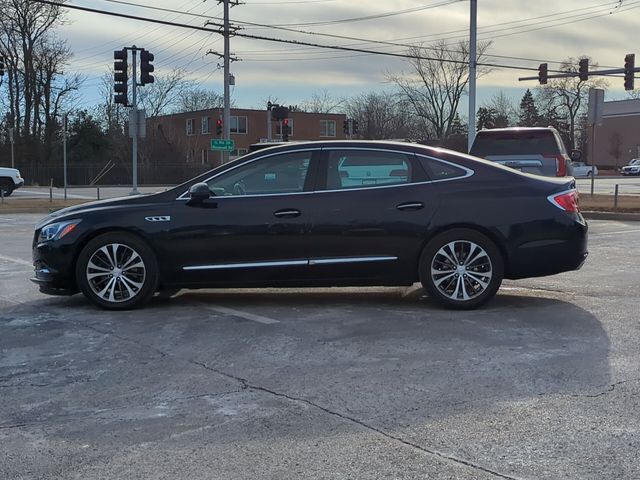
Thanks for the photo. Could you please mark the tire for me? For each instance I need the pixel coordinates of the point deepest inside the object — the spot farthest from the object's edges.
(7, 187)
(589, 174)
(452, 282)
(117, 271)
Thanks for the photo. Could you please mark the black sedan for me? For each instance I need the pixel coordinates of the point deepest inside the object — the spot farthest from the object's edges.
(346, 213)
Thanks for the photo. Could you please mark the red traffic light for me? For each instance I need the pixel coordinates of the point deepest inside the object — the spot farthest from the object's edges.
(285, 122)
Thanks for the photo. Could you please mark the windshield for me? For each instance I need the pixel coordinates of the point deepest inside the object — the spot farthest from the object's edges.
(514, 143)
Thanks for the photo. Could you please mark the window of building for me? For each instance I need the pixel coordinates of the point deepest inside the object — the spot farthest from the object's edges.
(238, 152)
(191, 126)
(278, 128)
(238, 125)
(206, 124)
(327, 128)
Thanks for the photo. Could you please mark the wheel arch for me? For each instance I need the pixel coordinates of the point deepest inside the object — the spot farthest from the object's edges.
(487, 232)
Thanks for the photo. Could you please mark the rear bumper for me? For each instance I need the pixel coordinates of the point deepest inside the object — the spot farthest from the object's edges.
(564, 251)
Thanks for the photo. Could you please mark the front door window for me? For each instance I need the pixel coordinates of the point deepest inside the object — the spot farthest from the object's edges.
(284, 173)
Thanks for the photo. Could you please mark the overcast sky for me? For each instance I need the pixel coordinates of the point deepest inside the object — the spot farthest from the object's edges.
(533, 31)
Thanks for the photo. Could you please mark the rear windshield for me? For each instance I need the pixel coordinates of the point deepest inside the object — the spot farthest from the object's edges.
(514, 143)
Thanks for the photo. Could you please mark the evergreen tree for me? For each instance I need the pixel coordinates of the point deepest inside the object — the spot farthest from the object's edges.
(528, 115)
(486, 118)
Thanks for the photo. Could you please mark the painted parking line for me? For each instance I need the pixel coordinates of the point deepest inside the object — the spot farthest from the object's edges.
(241, 314)
(618, 232)
(19, 261)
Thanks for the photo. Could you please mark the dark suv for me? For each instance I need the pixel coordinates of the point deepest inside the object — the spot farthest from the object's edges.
(538, 150)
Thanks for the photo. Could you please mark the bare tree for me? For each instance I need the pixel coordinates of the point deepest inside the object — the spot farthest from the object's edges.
(383, 116)
(504, 112)
(615, 146)
(322, 102)
(194, 98)
(568, 96)
(439, 80)
(158, 97)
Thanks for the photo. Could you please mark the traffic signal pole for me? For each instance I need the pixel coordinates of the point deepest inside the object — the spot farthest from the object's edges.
(473, 61)
(134, 127)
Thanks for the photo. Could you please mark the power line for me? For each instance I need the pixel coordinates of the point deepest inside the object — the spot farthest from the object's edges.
(280, 40)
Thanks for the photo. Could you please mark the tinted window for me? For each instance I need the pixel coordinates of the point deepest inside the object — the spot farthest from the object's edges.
(440, 170)
(278, 174)
(515, 143)
(364, 168)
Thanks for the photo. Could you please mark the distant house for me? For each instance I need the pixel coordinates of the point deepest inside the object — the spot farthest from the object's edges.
(617, 140)
(186, 137)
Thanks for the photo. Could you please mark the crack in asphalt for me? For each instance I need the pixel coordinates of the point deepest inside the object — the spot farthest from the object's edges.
(609, 389)
(451, 458)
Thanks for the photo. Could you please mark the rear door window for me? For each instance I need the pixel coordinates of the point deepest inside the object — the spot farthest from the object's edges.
(438, 170)
(367, 168)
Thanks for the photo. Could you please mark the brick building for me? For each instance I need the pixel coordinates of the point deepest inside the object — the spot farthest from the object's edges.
(617, 140)
(186, 137)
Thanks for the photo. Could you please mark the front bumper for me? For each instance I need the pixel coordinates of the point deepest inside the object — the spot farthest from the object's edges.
(19, 184)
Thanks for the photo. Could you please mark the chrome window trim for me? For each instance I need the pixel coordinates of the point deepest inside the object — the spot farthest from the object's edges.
(290, 263)
(468, 172)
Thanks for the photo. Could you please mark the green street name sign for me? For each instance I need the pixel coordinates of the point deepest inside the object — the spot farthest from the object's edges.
(222, 145)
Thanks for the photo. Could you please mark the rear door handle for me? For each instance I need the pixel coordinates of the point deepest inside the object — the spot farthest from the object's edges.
(410, 206)
(287, 212)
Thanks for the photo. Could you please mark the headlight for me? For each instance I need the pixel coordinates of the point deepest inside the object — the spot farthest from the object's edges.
(55, 231)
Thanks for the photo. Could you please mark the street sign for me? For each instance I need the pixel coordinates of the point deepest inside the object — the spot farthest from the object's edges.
(222, 145)
(596, 104)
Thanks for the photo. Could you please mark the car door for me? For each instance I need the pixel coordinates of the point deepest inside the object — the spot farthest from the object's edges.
(253, 231)
(374, 208)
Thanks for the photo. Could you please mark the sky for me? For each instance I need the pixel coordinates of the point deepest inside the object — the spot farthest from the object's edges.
(523, 33)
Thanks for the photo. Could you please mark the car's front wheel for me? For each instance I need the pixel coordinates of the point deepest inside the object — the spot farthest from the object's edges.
(461, 268)
(117, 271)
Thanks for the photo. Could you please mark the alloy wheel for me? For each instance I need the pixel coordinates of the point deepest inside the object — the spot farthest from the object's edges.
(461, 270)
(116, 273)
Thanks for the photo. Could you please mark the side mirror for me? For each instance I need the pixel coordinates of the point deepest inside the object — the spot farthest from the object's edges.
(199, 193)
(575, 155)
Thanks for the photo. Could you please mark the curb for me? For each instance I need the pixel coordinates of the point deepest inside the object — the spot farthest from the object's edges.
(623, 217)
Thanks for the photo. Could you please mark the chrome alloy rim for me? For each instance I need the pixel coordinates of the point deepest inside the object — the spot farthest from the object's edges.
(116, 273)
(461, 270)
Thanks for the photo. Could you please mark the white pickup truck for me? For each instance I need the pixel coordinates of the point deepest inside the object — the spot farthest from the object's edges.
(581, 169)
(10, 179)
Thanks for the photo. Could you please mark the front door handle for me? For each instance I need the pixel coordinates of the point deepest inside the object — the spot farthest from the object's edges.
(410, 206)
(287, 212)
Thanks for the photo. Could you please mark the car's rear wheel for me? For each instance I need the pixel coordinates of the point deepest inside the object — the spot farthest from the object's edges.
(461, 268)
(117, 271)
(7, 187)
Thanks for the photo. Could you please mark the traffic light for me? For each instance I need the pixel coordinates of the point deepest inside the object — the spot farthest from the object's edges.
(219, 126)
(583, 70)
(285, 130)
(629, 67)
(345, 127)
(120, 76)
(542, 73)
(1, 66)
(354, 127)
(146, 68)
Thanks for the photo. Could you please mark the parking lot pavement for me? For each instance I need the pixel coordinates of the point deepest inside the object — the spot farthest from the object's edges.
(325, 383)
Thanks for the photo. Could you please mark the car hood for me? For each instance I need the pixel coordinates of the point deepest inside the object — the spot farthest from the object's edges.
(102, 205)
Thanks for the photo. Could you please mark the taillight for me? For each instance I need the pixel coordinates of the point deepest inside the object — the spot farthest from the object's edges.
(561, 166)
(567, 201)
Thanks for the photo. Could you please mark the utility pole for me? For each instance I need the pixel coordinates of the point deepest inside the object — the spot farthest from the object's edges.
(473, 60)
